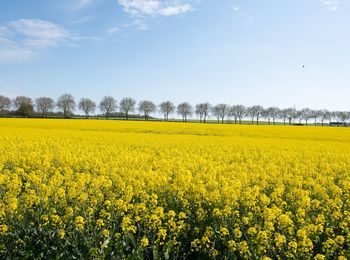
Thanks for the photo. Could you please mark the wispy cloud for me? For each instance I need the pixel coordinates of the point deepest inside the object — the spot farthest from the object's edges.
(83, 3)
(39, 33)
(175, 10)
(155, 7)
(26, 39)
(142, 10)
(12, 52)
(332, 5)
(242, 15)
(80, 4)
(113, 30)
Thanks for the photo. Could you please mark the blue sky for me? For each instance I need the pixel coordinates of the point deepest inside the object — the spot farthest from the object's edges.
(232, 51)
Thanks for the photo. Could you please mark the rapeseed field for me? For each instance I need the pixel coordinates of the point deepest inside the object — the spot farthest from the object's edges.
(92, 189)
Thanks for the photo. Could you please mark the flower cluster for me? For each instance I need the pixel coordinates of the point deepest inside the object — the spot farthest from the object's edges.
(106, 189)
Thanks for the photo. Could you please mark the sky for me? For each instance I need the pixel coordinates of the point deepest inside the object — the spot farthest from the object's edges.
(223, 51)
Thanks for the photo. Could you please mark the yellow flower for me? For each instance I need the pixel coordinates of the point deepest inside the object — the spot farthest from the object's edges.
(319, 257)
(44, 218)
(3, 229)
(56, 220)
(339, 240)
(144, 242)
(280, 240)
(79, 222)
(117, 236)
(224, 231)
(182, 215)
(162, 234)
(243, 248)
(251, 231)
(292, 246)
(171, 214)
(105, 233)
(232, 246)
(61, 233)
(196, 245)
(237, 233)
(100, 223)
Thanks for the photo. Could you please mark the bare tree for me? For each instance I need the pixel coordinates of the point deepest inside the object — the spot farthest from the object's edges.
(203, 110)
(291, 114)
(334, 116)
(215, 111)
(44, 105)
(299, 116)
(166, 108)
(221, 111)
(273, 113)
(237, 112)
(108, 105)
(315, 114)
(255, 112)
(127, 105)
(325, 116)
(23, 105)
(185, 110)
(305, 114)
(87, 105)
(66, 102)
(5, 104)
(250, 113)
(266, 115)
(342, 116)
(147, 107)
(284, 115)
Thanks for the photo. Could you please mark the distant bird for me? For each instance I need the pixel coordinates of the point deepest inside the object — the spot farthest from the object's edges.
(303, 66)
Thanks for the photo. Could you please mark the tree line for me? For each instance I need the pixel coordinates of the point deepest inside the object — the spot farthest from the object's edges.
(44, 106)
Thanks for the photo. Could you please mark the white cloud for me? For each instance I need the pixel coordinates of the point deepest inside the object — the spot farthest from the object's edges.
(11, 52)
(175, 10)
(113, 30)
(135, 7)
(235, 8)
(83, 3)
(3, 30)
(25, 39)
(242, 16)
(142, 10)
(332, 5)
(79, 4)
(155, 7)
(39, 33)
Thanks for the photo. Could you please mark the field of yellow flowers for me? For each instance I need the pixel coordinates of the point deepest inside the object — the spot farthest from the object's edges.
(115, 189)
